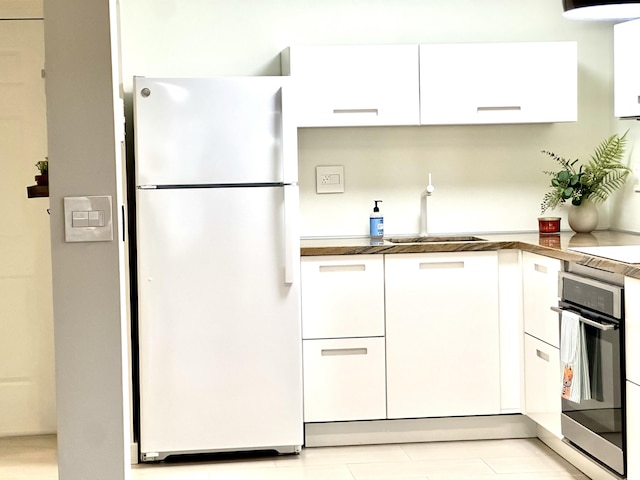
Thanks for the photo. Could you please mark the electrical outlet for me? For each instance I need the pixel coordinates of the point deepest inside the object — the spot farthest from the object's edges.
(330, 179)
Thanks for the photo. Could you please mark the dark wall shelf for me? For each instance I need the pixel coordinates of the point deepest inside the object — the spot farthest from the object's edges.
(37, 191)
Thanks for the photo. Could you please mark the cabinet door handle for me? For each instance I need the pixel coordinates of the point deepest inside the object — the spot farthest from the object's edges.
(542, 355)
(505, 108)
(372, 111)
(329, 352)
(433, 265)
(343, 268)
(540, 268)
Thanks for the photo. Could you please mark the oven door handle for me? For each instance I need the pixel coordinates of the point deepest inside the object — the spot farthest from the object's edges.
(600, 326)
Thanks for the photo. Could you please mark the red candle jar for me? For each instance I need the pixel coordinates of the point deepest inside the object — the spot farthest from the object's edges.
(548, 225)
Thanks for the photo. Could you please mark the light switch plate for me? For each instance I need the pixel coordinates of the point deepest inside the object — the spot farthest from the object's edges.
(88, 219)
(330, 179)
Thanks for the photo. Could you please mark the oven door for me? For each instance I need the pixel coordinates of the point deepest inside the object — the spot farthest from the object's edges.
(597, 426)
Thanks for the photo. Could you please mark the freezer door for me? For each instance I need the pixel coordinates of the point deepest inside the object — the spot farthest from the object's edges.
(213, 131)
(219, 325)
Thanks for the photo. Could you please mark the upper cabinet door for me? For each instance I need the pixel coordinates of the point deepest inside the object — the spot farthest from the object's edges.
(498, 83)
(354, 85)
(626, 37)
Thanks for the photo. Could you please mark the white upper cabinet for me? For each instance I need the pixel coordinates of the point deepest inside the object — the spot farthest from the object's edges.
(498, 83)
(626, 38)
(354, 85)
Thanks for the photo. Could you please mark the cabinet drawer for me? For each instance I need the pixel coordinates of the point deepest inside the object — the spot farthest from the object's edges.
(342, 296)
(344, 379)
(540, 293)
(542, 384)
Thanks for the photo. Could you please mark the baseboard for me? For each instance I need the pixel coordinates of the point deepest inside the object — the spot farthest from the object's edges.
(134, 453)
(582, 462)
(376, 432)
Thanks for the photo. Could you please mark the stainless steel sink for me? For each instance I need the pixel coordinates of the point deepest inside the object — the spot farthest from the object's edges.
(437, 238)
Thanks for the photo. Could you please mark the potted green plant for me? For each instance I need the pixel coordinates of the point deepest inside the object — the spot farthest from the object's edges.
(43, 168)
(587, 184)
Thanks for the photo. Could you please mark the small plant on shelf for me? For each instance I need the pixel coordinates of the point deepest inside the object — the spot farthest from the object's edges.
(43, 166)
(595, 180)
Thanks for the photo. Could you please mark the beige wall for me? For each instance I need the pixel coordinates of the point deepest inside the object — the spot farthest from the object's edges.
(27, 387)
(487, 178)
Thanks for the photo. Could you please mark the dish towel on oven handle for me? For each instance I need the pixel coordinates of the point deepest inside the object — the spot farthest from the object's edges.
(576, 385)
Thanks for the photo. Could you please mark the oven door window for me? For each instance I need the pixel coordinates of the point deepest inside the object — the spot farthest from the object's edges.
(603, 413)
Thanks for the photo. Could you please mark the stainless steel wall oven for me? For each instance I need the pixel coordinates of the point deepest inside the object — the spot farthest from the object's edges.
(596, 423)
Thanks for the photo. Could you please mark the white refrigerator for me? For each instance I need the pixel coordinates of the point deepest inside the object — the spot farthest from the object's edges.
(218, 266)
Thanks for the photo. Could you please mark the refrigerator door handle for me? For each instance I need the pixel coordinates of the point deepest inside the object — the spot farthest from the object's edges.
(291, 247)
(289, 146)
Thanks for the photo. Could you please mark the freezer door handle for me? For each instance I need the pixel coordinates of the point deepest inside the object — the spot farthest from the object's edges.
(290, 232)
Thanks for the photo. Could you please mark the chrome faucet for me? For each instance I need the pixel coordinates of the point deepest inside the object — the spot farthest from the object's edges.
(423, 207)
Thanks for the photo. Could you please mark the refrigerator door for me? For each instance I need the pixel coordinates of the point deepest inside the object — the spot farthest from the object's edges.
(219, 324)
(213, 131)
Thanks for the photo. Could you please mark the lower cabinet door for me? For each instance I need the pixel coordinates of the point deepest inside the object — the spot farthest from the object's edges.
(542, 384)
(344, 379)
(633, 431)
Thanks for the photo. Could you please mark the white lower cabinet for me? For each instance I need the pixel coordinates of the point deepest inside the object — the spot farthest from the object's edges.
(343, 338)
(443, 345)
(542, 384)
(633, 431)
(344, 379)
(632, 337)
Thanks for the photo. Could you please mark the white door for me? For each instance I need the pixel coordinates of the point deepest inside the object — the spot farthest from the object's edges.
(27, 381)
(219, 328)
(442, 333)
(212, 130)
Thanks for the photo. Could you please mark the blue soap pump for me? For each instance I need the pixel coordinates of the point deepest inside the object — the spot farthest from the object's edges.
(376, 222)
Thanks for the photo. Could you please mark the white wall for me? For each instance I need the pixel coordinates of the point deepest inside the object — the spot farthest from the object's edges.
(89, 298)
(625, 206)
(488, 178)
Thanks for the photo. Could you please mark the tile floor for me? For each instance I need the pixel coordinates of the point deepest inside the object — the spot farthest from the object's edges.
(34, 458)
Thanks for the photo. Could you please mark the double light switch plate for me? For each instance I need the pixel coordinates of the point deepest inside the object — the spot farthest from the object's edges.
(88, 219)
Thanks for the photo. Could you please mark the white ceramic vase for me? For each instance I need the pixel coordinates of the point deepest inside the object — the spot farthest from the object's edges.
(583, 218)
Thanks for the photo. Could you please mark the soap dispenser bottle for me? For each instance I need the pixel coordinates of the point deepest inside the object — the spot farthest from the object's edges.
(376, 222)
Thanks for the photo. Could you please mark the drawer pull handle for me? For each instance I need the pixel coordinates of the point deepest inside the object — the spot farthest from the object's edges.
(540, 268)
(343, 268)
(505, 108)
(373, 111)
(432, 265)
(330, 352)
(542, 355)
